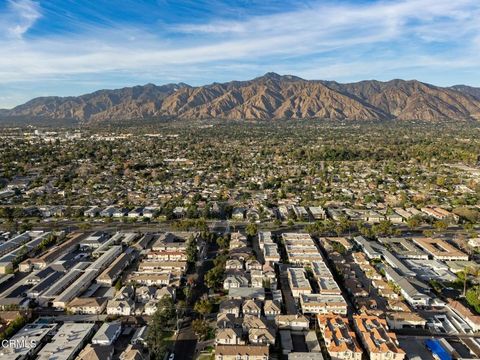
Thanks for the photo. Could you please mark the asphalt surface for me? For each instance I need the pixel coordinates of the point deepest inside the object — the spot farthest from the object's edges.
(416, 349)
(185, 344)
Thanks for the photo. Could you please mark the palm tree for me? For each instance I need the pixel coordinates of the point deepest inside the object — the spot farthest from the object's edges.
(469, 270)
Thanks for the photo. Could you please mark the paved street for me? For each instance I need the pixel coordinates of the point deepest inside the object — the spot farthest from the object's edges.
(185, 344)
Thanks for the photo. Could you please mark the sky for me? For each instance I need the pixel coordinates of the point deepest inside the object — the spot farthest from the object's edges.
(72, 47)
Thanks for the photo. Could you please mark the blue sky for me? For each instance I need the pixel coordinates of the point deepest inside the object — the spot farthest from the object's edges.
(67, 47)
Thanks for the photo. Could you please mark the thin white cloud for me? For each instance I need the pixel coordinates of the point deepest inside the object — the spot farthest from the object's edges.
(343, 39)
(20, 16)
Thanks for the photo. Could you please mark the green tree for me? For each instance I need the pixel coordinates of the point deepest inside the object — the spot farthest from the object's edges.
(251, 229)
(159, 327)
(191, 250)
(428, 233)
(187, 291)
(13, 327)
(338, 247)
(440, 225)
(203, 307)
(223, 242)
(118, 285)
(473, 298)
(384, 227)
(414, 222)
(201, 329)
(166, 309)
(214, 277)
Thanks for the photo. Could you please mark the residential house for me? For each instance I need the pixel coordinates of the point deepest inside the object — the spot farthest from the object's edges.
(471, 319)
(150, 307)
(165, 291)
(234, 264)
(252, 307)
(107, 334)
(92, 212)
(253, 264)
(271, 309)
(131, 353)
(257, 278)
(235, 281)
(144, 294)
(238, 214)
(292, 322)
(229, 336)
(261, 336)
(124, 307)
(253, 322)
(228, 321)
(231, 306)
(96, 352)
(241, 352)
(87, 306)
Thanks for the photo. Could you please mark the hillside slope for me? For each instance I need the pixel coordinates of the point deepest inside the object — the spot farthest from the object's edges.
(271, 96)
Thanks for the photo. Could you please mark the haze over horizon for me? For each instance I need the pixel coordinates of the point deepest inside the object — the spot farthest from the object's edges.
(68, 48)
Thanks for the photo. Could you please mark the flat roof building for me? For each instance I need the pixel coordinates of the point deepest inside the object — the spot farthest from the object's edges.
(324, 277)
(94, 240)
(247, 293)
(411, 294)
(396, 263)
(67, 342)
(405, 320)
(323, 304)
(318, 213)
(270, 253)
(367, 247)
(440, 249)
(300, 248)
(83, 282)
(264, 238)
(114, 270)
(427, 270)
(31, 337)
(403, 248)
(63, 283)
(298, 282)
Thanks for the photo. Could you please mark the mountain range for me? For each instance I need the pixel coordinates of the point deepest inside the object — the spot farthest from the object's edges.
(270, 96)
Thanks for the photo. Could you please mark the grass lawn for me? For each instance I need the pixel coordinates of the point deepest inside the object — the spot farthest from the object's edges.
(206, 357)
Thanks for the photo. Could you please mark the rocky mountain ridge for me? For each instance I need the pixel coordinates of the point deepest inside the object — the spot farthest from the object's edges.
(269, 97)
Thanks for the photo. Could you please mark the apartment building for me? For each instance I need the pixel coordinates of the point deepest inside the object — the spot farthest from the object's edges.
(300, 248)
(323, 304)
(339, 337)
(67, 342)
(440, 249)
(411, 294)
(298, 282)
(377, 340)
(241, 352)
